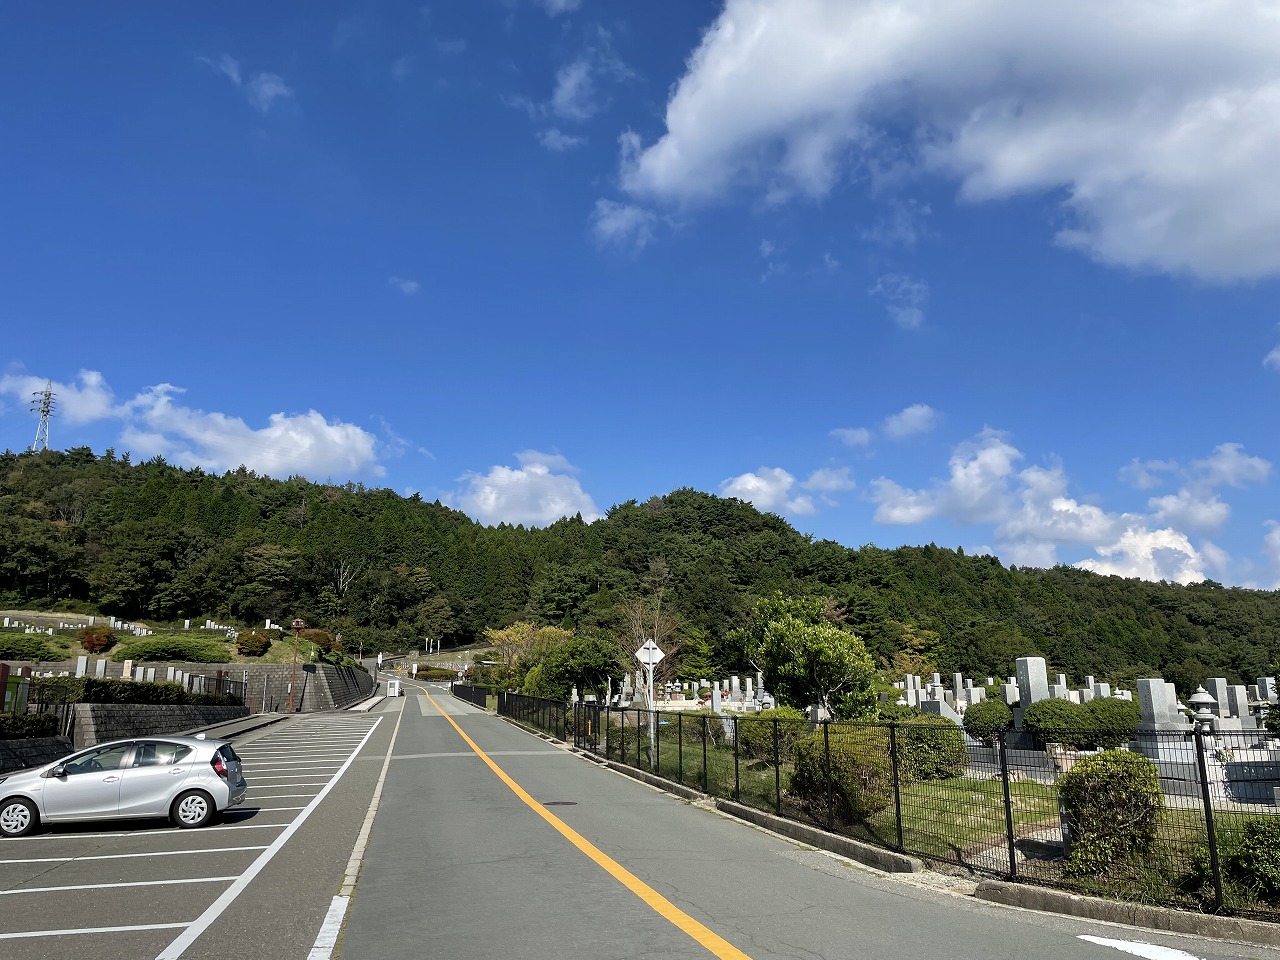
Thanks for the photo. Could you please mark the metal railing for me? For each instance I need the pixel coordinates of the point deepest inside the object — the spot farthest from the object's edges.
(478, 696)
(198, 683)
(930, 791)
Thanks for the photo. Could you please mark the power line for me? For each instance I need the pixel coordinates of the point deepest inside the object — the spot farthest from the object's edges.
(43, 403)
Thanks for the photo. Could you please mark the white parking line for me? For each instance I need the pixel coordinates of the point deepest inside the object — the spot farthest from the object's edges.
(104, 886)
(32, 934)
(280, 796)
(206, 919)
(130, 856)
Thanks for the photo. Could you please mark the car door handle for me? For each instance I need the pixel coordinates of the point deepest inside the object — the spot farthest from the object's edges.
(110, 779)
(174, 773)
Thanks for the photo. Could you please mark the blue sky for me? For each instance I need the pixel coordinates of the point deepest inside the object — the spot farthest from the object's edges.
(995, 275)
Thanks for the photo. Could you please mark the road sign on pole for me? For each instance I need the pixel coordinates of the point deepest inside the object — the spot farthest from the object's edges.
(650, 654)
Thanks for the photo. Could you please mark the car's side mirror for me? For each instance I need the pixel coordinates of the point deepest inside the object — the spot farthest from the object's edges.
(59, 771)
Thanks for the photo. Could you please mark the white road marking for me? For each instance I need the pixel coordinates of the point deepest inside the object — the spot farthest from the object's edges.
(1150, 951)
(32, 934)
(130, 856)
(206, 919)
(327, 939)
(104, 886)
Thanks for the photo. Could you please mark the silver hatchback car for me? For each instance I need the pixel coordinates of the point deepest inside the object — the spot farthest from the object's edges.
(188, 779)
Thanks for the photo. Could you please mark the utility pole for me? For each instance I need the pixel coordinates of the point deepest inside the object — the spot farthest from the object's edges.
(43, 403)
(297, 625)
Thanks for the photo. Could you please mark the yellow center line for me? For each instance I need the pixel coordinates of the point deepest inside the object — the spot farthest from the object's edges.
(715, 943)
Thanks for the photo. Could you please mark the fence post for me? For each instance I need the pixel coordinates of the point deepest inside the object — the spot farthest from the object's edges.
(655, 744)
(704, 754)
(777, 773)
(1210, 828)
(607, 711)
(826, 765)
(737, 779)
(680, 737)
(897, 788)
(1008, 805)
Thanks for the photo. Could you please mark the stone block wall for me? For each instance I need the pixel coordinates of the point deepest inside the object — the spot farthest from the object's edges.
(32, 752)
(100, 722)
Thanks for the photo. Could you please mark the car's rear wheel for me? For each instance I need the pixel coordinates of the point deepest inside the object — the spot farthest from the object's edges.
(18, 817)
(192, 809)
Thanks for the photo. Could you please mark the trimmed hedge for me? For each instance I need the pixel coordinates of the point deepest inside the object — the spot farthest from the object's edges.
(94, 690)
(26, 726)
(930, 748)
(180, 649)
(986, 719)
(25, 646)
(1112, 806)
(861, 773)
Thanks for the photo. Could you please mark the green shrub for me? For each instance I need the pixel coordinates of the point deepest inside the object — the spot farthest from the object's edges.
(755, 733)
(1113, 722)
(1112, 806)
(57, 689)
(253, 643)
(861, 773)
(984, 721)
(24, 646)
(1258, 864)
(930, 748)
(691, 722)
(1058, 721)
(172, 647)
(25, 726)
(1272, 722)
(437, 673)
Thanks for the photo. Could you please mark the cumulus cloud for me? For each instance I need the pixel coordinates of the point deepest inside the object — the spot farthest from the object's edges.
(537, 493)
(1033, 515)
(306, 444)
(623, 225)
(153, 424)
(1272, 359)
(914, 420)
(852, 436)
(1157, 125)
(769, 490)
(85, 400)
(904, 299)
(407, 287)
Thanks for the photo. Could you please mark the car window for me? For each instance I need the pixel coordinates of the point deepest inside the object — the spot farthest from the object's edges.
(151, 754)
(101, 758)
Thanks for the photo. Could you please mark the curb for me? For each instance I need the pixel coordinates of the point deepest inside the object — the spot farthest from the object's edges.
(1132, 914)
(863, 853)
(253, 722)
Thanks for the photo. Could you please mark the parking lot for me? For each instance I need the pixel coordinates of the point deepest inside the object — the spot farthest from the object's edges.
(146, 889)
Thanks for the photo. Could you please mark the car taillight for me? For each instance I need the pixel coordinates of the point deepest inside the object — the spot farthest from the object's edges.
(219, 767)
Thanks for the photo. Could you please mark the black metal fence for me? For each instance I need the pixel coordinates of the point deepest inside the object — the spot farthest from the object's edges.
(479, 696)
(198, 683)
(59, 702)
(1212, 842)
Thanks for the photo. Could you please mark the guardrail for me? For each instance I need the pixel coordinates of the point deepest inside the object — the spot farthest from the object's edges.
(479, 696)
(928, 790)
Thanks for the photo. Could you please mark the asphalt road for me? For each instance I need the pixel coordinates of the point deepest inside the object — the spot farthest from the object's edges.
(489, 842)
(460, 866)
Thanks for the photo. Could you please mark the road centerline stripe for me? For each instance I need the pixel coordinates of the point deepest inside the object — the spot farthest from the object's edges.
(705, 936)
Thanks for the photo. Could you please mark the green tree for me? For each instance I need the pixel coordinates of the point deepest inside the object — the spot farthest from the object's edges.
(807, 663)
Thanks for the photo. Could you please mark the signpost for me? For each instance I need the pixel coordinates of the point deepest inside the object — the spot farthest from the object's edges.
(650, 654)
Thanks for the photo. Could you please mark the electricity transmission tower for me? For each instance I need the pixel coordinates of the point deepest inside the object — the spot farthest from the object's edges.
(43, 403)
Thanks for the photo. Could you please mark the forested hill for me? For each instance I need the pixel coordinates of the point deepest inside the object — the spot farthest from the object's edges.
(153, 542)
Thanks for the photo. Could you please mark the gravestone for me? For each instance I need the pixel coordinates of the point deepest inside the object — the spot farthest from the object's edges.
(82, 666)
(1010, 693)
(1217, 687)
(1033, 680)
(100, 669)
(128, 670)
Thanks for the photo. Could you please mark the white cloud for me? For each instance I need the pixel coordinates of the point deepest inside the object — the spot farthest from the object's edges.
(1157, 124)
(574, 96)
(1149, 555)
(1145, 475)
(1271, 547)
(829, 480)
(306, 444)
(86, 400)
(852, 436)
(407, 287)
(914, 420)
(557, 142)
(533, 494)
(1272, 359)
(902, 226)
(1229, 465)
(622, 224)
(904, 299)
(1189, 509)
(769, 490)
(265, 89)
